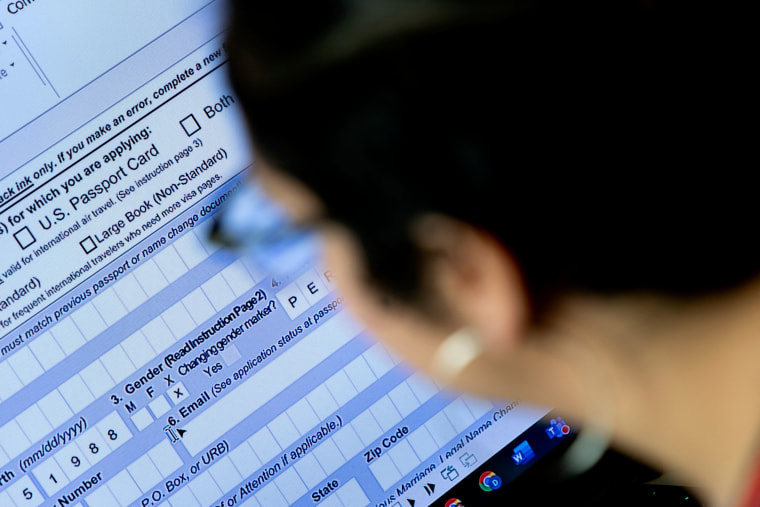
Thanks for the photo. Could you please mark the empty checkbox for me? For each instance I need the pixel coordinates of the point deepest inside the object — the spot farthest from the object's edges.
(190, 125)
(24, 238)
(88, 244)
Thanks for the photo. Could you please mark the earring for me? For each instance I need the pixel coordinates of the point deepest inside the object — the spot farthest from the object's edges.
(454, 353)
(463, 346)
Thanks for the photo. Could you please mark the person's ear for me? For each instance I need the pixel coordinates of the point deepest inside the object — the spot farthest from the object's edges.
(476, 277)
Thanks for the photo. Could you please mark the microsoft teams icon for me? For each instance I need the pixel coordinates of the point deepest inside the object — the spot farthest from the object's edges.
(522, 453)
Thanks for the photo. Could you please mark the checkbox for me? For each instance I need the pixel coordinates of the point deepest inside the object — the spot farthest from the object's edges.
(142, 419)
(190, 125)
(88, 244)
(159, 406)
(230, 354)
(177, 393)
(24, 238)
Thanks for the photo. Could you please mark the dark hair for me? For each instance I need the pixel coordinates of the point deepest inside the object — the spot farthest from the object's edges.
(597, 141)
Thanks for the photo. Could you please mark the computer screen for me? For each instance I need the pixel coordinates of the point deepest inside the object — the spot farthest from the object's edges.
(142, 364)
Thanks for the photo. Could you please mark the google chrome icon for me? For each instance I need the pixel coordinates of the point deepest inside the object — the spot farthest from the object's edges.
(454, 502)
(489, 481)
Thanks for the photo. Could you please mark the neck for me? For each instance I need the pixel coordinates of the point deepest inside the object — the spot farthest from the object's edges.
(686, 396)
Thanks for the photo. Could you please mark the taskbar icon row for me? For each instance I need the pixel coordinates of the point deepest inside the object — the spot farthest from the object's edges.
(521, 454)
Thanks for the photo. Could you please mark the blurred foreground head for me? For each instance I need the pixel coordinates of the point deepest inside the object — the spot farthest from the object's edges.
(493, 160)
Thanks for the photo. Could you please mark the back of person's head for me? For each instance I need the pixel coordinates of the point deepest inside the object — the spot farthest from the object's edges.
(598, 141)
